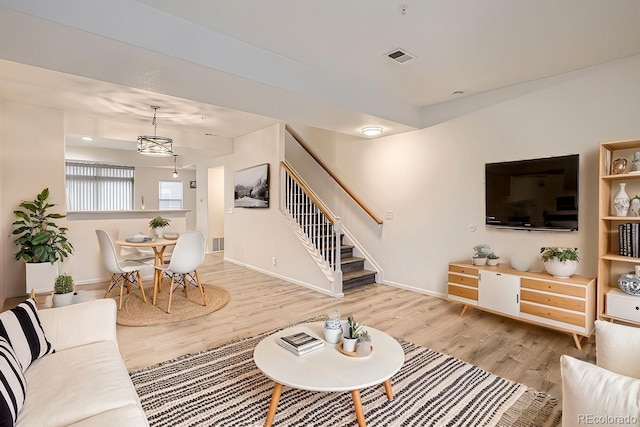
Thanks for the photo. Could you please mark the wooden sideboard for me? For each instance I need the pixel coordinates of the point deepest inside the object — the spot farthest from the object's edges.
(567, 305)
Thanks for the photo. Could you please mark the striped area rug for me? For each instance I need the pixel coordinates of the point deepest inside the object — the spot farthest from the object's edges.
(223, 387)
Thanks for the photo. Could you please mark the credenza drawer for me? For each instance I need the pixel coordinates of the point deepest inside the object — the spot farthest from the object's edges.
(459, 291)
(552, 300)
(463, 280)
(550, 313)
(463, 269)
(623, 306)
(556, 288)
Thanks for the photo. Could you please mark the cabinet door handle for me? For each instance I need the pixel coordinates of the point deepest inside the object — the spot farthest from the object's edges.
(517, 299)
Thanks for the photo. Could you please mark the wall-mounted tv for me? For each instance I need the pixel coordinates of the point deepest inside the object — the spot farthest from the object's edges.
(535, 194)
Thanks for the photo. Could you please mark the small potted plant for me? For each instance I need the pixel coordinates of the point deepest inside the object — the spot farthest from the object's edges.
(481, 254)
(492, 259)
(62, 290)
(353, 330)
(560, 262)
(157, 224)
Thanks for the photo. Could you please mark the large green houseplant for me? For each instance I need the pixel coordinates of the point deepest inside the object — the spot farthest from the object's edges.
(40, 241)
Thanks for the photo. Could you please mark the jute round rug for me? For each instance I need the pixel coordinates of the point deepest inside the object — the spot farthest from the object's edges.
(136, 312)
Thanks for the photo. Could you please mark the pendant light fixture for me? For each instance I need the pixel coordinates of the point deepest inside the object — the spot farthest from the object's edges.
(175, 171)
(156, 146)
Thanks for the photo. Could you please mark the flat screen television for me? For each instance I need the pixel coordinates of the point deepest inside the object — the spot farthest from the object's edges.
(535, 194)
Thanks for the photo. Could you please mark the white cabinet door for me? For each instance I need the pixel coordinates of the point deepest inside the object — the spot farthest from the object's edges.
(499, 292)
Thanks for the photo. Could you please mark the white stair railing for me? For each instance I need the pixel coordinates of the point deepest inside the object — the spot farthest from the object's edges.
(319, 229)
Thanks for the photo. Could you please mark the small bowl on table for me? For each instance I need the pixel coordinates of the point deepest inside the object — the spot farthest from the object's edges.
(171, 236)
(630, 284)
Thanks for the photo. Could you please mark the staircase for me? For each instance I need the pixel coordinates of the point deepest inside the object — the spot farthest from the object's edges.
(321, 232)
(353, 271)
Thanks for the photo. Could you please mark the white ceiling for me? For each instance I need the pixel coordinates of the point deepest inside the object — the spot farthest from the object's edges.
(245, 64)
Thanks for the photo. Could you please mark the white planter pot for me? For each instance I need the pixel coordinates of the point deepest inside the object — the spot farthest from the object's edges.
(349, 344)
(158, 232)
(60, 300)
(40, 276)
(479, 261)
(332, 336)
(492, 261)
(561, 269)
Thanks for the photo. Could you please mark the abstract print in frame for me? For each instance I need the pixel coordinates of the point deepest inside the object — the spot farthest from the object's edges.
(251, 187)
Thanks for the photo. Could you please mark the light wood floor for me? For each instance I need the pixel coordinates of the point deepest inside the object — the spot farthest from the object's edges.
(523, 353)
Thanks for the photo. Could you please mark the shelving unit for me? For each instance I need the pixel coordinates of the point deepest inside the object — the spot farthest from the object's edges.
(611, 265)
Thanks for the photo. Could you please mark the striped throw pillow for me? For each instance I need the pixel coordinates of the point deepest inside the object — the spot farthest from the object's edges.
(13, 386)
(21, 327)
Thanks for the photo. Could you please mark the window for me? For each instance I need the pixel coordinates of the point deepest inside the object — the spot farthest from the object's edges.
(96, 187)
(170, 195)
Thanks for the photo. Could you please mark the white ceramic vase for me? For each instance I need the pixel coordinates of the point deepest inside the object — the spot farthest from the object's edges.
(60, 300)
(349, 344)
(621, 201)
(158, 232)
(561, 269)
(332, 336)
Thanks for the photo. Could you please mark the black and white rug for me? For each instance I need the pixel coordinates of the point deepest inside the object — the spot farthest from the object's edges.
(223, 387)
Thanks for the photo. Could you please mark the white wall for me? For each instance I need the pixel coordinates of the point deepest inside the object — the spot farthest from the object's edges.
(433, 179)
(216, 203)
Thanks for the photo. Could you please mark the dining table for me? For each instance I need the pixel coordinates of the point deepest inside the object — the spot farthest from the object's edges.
(158, 246)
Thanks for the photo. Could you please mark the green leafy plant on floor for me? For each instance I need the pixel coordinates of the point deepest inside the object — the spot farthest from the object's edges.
(39, 238)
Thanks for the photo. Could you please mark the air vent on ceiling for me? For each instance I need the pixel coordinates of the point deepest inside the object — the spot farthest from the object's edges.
(401, 56)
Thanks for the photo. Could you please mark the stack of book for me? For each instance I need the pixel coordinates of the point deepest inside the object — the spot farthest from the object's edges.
(300, 343)
(629, 239)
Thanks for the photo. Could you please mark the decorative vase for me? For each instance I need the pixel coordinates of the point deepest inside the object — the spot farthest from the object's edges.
(621, 201)
(363, 348)
(635, 206)
(333, 329)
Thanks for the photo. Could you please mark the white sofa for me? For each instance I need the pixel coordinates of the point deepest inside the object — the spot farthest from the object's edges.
(607, 393)
(85, 382)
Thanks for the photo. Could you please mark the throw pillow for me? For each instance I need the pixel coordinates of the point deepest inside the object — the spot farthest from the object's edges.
(617, 347)
(13, 386)
(597, 396)
(21, 327)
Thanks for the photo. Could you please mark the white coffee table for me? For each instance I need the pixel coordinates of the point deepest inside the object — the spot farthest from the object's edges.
(327, 369)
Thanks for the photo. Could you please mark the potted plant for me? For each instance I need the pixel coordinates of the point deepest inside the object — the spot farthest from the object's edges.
(351, 338)
(481, 254)
(42, 243)
(492, 259)
(62, 290)
(560, 262)
(157, 224)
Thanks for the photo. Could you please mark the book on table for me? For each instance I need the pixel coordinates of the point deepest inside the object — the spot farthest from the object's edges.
(300, 343)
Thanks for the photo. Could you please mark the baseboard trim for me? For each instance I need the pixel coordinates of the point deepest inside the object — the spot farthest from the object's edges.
(414, 289)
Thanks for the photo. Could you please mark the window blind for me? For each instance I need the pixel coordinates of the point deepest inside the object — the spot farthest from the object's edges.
(96, 187)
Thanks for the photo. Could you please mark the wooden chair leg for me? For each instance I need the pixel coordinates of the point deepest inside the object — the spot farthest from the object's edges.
(122, 285)
(144, 298)
(170, 295)
(204, 300)
(111, 285)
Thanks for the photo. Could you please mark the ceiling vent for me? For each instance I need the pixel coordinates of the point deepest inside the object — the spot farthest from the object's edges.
(401, 56)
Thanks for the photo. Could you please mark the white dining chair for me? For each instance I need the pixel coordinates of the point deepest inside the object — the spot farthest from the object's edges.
(187, 256)
(123, 273)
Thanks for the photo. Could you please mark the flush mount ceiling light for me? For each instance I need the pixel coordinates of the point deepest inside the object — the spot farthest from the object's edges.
(156, 146)
(175, 171)
(372, 130)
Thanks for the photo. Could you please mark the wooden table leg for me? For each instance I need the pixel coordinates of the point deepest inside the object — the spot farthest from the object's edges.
(357, 404)
(577, 340)
(387, 388)
(273, 406)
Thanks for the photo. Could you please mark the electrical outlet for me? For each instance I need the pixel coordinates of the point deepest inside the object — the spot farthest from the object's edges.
(274, 260)
(389, 215)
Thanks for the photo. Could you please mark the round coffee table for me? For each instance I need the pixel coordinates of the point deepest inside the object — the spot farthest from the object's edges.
(316, 371)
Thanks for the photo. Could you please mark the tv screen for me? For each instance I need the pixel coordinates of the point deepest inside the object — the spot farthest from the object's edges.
(536, 194)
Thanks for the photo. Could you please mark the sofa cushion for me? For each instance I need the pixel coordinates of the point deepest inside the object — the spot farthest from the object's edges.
(76, 384)
(617, 347)
(12, 385)
(597, 396)
(130, 416)
(21, 327)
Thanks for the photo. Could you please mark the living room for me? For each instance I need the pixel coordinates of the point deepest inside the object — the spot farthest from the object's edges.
(430, 179)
